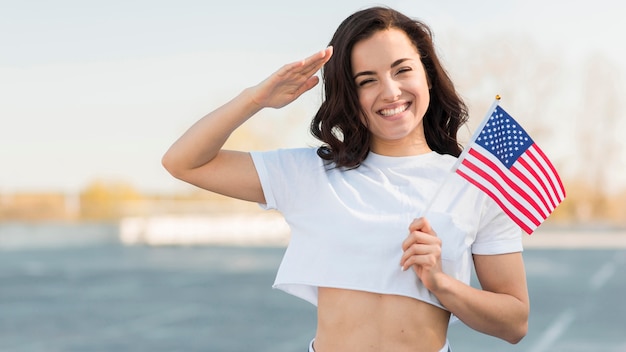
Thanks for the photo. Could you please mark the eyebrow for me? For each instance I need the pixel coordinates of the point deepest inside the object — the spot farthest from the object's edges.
(367, 73)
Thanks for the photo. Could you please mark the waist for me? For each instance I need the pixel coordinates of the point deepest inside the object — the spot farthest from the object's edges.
(351, 320)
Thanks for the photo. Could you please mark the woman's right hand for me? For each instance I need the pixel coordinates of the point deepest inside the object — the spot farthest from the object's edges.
(290, 81)
(197, 156)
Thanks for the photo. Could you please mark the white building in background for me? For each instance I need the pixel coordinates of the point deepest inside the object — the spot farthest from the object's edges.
(257, 229)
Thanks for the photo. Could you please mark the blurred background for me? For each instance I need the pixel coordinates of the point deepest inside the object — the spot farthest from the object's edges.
(92, 227)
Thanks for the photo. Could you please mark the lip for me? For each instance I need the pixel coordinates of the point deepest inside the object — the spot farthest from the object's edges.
(403, 106)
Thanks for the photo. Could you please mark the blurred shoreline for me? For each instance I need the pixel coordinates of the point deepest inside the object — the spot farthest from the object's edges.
(567, 238)
(240, 229)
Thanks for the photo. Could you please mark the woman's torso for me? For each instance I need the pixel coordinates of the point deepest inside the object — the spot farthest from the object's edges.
(346, 243)
(347, 226)
(363, 321)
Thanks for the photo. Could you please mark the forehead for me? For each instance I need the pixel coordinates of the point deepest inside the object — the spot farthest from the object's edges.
(384, 45)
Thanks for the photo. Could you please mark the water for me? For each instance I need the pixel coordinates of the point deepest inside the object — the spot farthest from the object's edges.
(90, 293)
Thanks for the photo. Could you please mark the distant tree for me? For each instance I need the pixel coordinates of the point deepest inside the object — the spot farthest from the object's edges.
(104, 200)
(597, 121)
(569, 108)
(528, 78)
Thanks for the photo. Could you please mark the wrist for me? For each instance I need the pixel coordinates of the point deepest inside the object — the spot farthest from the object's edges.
(441, 284)
(250, 100)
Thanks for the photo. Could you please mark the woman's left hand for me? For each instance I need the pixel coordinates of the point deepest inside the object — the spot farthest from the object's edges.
(422, 251)
(499, 308)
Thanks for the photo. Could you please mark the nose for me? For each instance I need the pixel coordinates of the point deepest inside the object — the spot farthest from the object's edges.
(390, 90)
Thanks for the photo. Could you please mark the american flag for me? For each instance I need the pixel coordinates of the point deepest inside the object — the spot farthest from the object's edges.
(504, 162)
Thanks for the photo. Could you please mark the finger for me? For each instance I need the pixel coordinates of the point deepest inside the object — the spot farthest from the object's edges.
(418, 224)
(417, 260)
(431, 245)
(414, 250)
(423, 225)
(415, 237)
(318, 59)
(311, 64)
(409, 241)
(310, 83)
(421, 255)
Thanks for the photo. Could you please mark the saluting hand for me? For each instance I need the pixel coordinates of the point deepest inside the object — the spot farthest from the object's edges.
(290, 81)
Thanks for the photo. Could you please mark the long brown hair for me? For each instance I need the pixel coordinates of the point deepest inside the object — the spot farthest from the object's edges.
(337, 124)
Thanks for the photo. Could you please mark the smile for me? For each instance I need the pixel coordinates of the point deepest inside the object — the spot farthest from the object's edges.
(395, 111)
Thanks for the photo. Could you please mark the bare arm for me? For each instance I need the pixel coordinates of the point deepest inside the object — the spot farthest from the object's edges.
(197, 156)
(500, 308)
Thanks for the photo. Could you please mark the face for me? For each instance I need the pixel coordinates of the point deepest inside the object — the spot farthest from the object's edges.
(393, 92)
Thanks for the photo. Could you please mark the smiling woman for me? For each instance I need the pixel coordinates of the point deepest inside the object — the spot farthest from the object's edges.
(382, 280)
(393, 90)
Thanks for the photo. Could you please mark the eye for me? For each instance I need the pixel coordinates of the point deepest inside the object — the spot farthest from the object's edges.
(364, 82)
(404, 69)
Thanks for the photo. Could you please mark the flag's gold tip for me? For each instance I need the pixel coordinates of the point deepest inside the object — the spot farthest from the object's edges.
(497, 96)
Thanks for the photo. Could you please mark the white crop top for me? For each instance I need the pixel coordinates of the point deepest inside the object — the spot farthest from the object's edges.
(347, 226)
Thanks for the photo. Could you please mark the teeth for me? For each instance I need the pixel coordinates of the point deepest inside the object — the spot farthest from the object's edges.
(391, 112)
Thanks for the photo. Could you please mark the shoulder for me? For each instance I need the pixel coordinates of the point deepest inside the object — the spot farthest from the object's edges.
(444, 161)
(287, 154)
(440, 167)
(288, 151)
(304, 158)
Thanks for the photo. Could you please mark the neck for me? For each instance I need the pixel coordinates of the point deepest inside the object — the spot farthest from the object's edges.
(400, 149)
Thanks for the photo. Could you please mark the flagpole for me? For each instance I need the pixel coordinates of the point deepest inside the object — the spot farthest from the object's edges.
(477, 131)
(460, 158)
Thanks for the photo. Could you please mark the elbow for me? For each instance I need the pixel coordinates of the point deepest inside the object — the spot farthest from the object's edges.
(519, 326)
(166, 162)
(518, 332)
(170, 165)
(518, 335)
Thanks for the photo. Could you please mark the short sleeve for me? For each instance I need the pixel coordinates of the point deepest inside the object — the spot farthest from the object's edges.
(287, 176)
(497, 233)
(261, 168)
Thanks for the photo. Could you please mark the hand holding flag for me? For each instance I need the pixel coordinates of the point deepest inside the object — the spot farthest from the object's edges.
(504, 162)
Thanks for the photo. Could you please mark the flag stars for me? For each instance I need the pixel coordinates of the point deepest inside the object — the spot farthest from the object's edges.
(503, 137)
(486, 164)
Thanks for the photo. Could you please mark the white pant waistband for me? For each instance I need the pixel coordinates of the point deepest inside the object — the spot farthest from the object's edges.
(445, 348)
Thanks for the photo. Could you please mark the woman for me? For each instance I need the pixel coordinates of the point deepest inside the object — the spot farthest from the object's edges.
(388, 124)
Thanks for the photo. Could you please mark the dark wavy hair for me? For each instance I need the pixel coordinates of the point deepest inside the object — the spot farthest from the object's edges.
(337, 123)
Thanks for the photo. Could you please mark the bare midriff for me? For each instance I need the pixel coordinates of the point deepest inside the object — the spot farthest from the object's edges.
(361, 321)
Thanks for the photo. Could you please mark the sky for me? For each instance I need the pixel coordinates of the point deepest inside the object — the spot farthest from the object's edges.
(98, 90)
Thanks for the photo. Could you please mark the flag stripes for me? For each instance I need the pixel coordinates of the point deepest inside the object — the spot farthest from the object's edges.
(505, 163)
(513, 195)
(485, 187)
